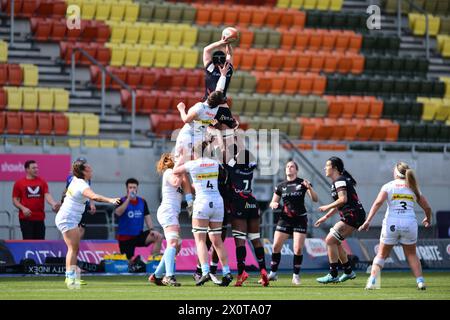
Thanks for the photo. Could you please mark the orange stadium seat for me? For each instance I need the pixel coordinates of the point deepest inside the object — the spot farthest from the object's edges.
(216, 18)
(302, 39)
(58, 30)
(134, 77)
(29, 123)
(349, 107)
(44, 123)
(179, 80)
(350, 130)
(287, 19)
(345, 63)
(244, 16)
(365, 129)
(290, 60)
(103, 54)
(28, 8)
(160, 125)
(315, 40)
(392, 130)
(357, 63)
(376, 107)
(331, 62)
(2, 121)
(231, 18)
(164, 102)
(379, 129)
(299, 19)
(338, 129)
(304, 61)
(324, 129)
(96, 77)
(3, 74)
(203, 14)
(60, 124)
(288, 38)
(273, 19)
(164, 78)
(319, 85)
(248, 60)
(292, 83)
(149, 78)
(362, 107)
(317, 61)
(355, 42)
(194, 80)
(263, 81)
(259, 16)
(278, 82)
(262, 59)
(41, 28)
(246, 38)
(148, 101)
(91, 50)
(306, 83)
(335, 106)
(343, 41)
(329, 40)
(277, 60)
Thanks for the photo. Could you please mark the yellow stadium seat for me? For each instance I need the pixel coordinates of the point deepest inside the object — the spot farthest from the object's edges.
(412, 19)
(323, 4)
(191, 57)
(146, 33)
(107, 143)
(310, 4)
(91, 124)
(76, 124)
(446, 80)
(3, 51)
(430, 107)
(336, 5)
(175, 35)
(117, 31)
(162, 57)
(189, 36)
(161, 35)
(103, 10)
(296, 4)
(88, 8)
(131, 12)
(91, 143)
(61, 101)
(117, 11)
(446, 48)
(283, 3)
(15, 98)
(147, 56)
(46, 99)
(417, 23)
(117, 54)
(132, 33)
(434, 23)
(443, 112)
(132, 55)
(30, 99)
(440, 40)
(30, 75)
(73, 143)
(176, 57)
(123, 143)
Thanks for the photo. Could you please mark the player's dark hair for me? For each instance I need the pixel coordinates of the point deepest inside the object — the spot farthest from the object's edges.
(215, 98)
(133, 181)
(338, 164)
(295, 163)
(28, 163)
(78, 168)
(219, 57)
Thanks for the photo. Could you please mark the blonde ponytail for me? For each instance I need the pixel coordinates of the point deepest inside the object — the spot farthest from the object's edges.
(411, 182)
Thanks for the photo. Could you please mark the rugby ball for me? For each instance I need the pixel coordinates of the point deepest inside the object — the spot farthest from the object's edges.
(231, 34)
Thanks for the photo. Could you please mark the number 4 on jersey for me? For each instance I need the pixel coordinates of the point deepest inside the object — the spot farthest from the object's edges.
(209, 185)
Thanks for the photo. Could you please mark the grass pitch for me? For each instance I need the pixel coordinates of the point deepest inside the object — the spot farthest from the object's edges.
(395, 286)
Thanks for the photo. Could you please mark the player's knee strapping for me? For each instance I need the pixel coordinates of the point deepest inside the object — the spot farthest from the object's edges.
(336, 235)
(172, 235)
(199, 230)
(239, 234)
(215, 231)
(253, 236)
(379, 261)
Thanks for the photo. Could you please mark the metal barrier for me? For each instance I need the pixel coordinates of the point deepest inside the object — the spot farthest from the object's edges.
(114, 78)
(10, 226)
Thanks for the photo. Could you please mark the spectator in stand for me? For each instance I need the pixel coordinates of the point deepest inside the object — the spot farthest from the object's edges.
(29, 196)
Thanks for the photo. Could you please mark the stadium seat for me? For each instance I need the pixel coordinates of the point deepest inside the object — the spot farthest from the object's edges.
(14, 98)
(131, 12)
(46, 99)
(3, 99)
(3, 51)
(61, 99)
(30, 75)
(117, 11)
(13, 122)
(15, 75)
(118, 31)
(60, 124)
(30, 99)
(88, 9)
(2, 121)
(190, 34)
(29, 123)
(76, 124)
(91, 124)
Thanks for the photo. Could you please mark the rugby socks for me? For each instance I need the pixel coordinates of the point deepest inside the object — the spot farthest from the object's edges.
(420, 279)
(276, 257)
(70, 274)
(259, 252)
(226, 270)
(199, 269)
(170, 260)
(189, 197)
(213, 267)
(241, 253)
(334, 269)
(205, 268)
(298, 259)
(347, 267)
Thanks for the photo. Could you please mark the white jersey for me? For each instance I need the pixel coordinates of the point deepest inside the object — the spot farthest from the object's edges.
(171, 196)
(400, 200)
(205, 115)
(205, 174)
(74, 202)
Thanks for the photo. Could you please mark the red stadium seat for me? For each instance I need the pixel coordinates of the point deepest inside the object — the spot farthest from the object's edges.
(3, 74)
(165, 78)
(3, 99)
(134, 77)
(45, 123)
(149, 78)
(60, 124)
(164, 102)
(96, 77)
(103, 32)
(58, 32)
(2, 121)
(48, 8)
(6, 7)
(119, 72)
(179, 80)
(149, 102)
(194, 80)
(74, 34)
(91, 50)
(15, 75)
(41, 28)
(29, 123)
(89, 32)
(103, 54)
(28, 8)
(13, 122)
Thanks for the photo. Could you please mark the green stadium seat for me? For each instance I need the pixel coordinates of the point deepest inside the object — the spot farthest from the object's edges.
(340, 20)
(393, 44)
(397, 65)
(390, 109)
(294, 106)
(422, 66)
(411, 65)
(175, 13)
(439, 89)
(369, 42)
(251, 105)
(325, 19)
(274, 40)
(432, 132)
(387, 86)
(419, 132)
(414, 85)
(313, 19)
(334, 83)
(371, 63)
(265, 105)
(405, 132)
(426, 88)
(444, 135)
(238, 103)
(189, 14)
(400, 85)
(416, 110)
(403, 111)
(236, 85)
(161, 12)
(362, 84)
(279, 105)
(249, 83)
(261, 36)
(321, 108)
(374, 86)
(308, 106)
(146, 11)
(204, 36)
(353, 21)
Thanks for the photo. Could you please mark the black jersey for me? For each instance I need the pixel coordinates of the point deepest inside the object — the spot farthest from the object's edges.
(240, 177)
(293, 195)
(212, 75)
(344, 184)
(224, 116)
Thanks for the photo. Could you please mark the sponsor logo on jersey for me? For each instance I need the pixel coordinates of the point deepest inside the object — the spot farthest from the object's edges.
(134, 214)
(250, 205)
(298, 187)
(33, 192)
(204, 176)
(399, 196)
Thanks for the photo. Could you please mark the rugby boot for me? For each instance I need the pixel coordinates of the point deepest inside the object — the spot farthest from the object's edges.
(328, 279)
(241, 279)
(344, 277)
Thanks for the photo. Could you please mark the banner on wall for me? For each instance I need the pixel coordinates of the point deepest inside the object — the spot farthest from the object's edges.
(52, 167)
